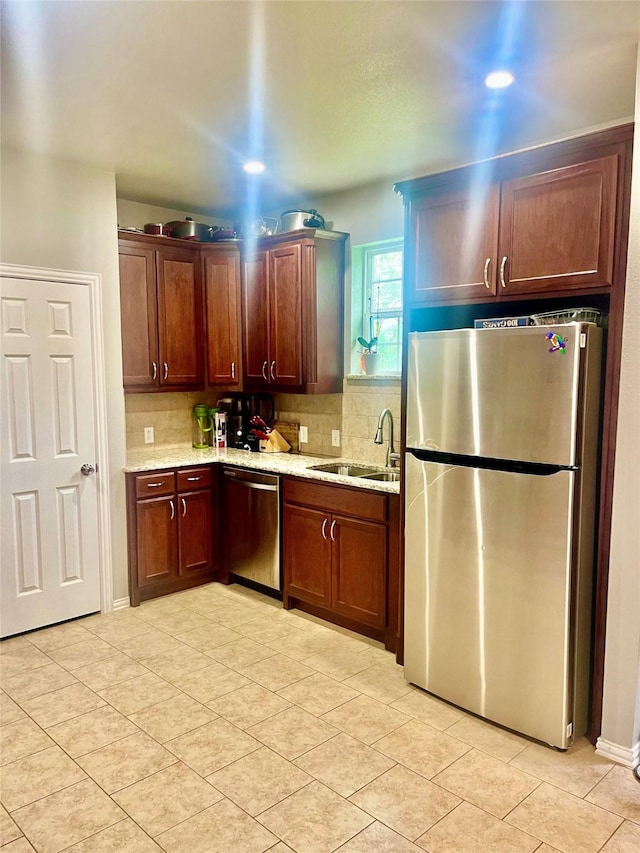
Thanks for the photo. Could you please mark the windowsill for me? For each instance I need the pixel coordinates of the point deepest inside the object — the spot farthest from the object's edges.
(386, 378)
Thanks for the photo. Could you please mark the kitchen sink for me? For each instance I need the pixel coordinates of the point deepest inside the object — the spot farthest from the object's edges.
(345, 470)
(366, 472)
(386, 476)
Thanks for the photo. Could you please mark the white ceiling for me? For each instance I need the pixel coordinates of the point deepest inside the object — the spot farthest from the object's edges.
(172, 96)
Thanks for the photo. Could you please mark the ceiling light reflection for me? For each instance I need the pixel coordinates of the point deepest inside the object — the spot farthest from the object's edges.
(498, 79)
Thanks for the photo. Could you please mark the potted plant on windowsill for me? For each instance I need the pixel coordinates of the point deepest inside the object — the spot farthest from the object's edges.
(369, 355)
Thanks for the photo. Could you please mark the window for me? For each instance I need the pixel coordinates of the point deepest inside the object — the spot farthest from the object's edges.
(377, 301)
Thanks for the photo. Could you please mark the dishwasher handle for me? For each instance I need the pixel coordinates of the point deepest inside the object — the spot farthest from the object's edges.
(262, 487)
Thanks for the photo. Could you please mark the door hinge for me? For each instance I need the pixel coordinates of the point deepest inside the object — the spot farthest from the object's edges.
(583, 340)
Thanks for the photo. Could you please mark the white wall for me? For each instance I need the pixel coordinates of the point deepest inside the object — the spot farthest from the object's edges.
(135, 214)
(61, 215)
(369, 213)
(621, 701)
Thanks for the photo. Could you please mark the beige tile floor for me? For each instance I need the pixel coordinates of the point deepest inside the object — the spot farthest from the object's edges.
(213, 720)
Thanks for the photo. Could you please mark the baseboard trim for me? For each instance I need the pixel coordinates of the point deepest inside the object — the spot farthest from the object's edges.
(120, 603)
(627, 756)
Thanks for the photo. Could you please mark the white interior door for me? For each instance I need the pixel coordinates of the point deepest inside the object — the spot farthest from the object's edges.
(50, 555)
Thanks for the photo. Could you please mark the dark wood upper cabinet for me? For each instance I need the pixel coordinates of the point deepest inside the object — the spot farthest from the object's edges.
(255, 318)
(262, 315)
(179, 318)
(138, 310)
(292, 295)
(161, 315)
(221, 276)
(557, 228)
(544, 222)
(456, 243)
(285, 315)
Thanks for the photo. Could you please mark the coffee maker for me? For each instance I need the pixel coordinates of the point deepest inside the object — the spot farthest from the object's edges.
(240, 408)
(237, 409)
(261, 405)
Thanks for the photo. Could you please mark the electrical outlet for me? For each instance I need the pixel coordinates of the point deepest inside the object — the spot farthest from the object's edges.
(303, 435)
(148, 435)
(335, 438)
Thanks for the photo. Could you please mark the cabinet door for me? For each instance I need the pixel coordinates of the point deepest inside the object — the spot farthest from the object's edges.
(255, 314)
(179, 318)
(157, 540)
(557, 228)
(285, 311)
(138, 316)
(359, 569)
(195, 531)
(307, 555)
(456, 236)
(222, 300)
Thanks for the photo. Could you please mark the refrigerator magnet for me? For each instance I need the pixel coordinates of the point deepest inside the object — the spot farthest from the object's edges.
(558, 343)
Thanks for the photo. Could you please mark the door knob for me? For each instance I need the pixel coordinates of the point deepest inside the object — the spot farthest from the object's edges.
(87, 469)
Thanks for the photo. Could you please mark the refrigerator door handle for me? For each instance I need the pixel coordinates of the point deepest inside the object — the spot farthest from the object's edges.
(515, 466)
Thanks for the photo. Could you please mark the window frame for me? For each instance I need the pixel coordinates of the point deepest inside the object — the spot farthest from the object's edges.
(362, 288)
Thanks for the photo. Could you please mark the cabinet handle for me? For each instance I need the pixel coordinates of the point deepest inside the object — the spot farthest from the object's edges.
(487, 263)
(502, 266)
(324, 528)
(264, 371)
(154, 370)
(233, 370)
(173, 511)
(166, 369)
(193, 479)
(331, 532)
(273, 364)
(184, 507)
(155, 485)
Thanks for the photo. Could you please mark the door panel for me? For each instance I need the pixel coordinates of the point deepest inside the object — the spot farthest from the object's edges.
(307, 555)
(255, 313)
(138, 314)
(557, 228)
(50, 571)
(488, 581)
(222, 283)
(456, 236)
(195, 530)
(179, 319)
(285, 310)
(157, 540)
(359, 570)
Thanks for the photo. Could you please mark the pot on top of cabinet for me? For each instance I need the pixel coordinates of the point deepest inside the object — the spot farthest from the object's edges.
(292, 220)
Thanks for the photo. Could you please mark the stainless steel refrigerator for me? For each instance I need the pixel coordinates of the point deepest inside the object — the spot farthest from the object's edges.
(500, 482)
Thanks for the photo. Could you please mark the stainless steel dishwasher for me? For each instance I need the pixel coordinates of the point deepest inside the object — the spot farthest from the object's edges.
(251, 528)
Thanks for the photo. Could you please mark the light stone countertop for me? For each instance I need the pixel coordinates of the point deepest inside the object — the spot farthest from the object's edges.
(294, 464)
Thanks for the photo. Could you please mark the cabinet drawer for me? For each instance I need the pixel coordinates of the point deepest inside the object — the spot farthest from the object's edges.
(190, 479)
(360, 503)
(154, 485)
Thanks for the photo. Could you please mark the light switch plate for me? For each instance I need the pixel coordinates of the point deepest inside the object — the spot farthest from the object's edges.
(304, 435)
(148, 435)
(335, 438)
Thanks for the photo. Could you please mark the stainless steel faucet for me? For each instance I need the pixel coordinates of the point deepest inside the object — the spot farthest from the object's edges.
(392, 456)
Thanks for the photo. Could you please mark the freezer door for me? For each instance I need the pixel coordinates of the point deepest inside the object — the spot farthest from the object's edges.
(488, 594)
(500, 393)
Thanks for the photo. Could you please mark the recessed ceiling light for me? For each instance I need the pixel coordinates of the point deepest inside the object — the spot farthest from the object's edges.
(254, 167)
(498, 79)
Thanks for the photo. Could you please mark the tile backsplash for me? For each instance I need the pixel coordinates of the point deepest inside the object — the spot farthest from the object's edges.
(354, 413)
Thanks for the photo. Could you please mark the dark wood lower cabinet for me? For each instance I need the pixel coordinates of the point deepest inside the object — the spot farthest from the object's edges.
(339, 556)
(172, 519)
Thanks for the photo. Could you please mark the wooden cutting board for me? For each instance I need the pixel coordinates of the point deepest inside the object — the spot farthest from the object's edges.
(289, 431)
